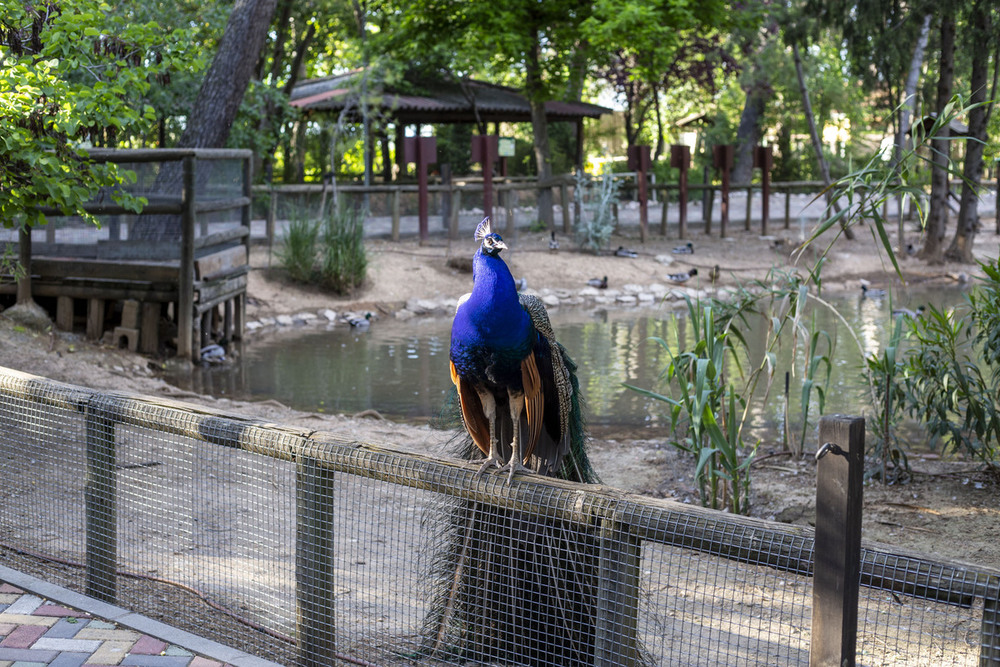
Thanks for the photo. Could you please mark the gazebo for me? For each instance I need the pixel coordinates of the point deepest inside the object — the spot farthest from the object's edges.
(423, 101)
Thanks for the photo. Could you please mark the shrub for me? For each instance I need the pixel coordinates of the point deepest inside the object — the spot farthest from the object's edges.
(298, 253)
(343, 261)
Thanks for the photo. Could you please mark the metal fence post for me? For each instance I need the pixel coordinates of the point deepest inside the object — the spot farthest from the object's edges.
(100, 503)
(315, 620)
(616, 643)
(837, 550)
(185, 296)
(989, 633)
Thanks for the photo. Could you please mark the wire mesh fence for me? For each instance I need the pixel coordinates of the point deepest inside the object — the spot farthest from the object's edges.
(306, 549)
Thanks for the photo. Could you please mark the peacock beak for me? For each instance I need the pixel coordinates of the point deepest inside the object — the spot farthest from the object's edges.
(500, 245)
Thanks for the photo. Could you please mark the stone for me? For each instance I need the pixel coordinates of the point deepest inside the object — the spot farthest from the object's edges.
(646, 297)
(253, 325)
(268, 321)
(589, 292)
(550, 300)
(329, 315)
(632, 288)
(666, 260)
(627, 299)
(305, 318)
(284, 320)
(405, 314)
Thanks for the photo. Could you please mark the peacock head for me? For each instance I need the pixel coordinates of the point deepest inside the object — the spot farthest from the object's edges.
(492, 243)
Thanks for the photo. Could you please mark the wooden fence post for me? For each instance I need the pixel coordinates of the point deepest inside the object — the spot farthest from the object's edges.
(746, 225)
(185, 293)
(314, 599)
(616, 641)
(100, 502)
(395, 214)
(837, 549)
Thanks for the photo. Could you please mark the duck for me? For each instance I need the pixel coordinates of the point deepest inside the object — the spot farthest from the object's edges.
(599, 283)
(906, 312)
(713, 273)
(683, 277)
(358, 321)
(686, 249)
(626, 252)
(871, 293)
(553, 244)
(213, 354)
(521, 284)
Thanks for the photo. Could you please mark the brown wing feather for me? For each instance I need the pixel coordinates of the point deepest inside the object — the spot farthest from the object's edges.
(534, 403)
(472, 412)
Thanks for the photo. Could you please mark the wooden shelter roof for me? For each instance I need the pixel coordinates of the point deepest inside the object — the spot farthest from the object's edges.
(436, 101)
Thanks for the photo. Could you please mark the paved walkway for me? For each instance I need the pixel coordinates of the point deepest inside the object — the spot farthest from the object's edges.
(44, 624)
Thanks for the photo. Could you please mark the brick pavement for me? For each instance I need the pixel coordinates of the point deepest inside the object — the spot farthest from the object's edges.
(43, 624)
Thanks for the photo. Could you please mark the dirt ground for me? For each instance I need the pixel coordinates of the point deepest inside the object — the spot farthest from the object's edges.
(948, 510)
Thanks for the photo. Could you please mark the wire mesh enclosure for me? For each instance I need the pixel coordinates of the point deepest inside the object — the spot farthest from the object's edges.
(306, 549)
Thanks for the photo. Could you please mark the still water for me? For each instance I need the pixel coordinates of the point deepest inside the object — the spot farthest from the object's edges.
(400, 369)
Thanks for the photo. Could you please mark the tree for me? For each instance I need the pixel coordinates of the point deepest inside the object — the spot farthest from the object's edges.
(211, 118)
(56, 98)
(980, 31)
(937, 214)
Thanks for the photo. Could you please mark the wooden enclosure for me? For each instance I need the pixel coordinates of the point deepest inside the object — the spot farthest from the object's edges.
(174, 275)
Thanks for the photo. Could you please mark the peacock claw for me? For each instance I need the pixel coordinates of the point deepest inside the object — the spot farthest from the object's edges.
(491, 461)
(514, 466)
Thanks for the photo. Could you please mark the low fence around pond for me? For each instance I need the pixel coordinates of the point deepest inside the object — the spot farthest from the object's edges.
(458, 205)
(314, 548)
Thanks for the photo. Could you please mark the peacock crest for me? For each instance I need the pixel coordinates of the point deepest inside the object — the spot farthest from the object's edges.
(484, 229)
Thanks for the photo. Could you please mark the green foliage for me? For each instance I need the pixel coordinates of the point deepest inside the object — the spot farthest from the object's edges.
(343, 261)
(596, 198)
(886, 455)
(298, 252)
(328, 252)
(70, 75)
(951, 374)
(708, 415)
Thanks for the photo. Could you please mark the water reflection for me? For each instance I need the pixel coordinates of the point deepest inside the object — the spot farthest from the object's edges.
(401, 368)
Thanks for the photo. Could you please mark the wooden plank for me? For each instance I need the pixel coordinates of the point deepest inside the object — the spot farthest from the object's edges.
(111, 291)
(616, 643)
(837, 550)
(221, 238)
(207, 206)
(228, 286)
(185, 298)
(162, 272)
(220, 263)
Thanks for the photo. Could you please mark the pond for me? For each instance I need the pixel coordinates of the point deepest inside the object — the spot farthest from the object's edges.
(400, 369)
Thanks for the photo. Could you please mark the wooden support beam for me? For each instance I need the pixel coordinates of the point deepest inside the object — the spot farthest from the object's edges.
(837, 550)
(64, 313)
(95, 319)
(149, 328)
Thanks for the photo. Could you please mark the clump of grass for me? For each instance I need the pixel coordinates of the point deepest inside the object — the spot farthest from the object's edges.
(298, 253)
(328, 252)
(343, 261)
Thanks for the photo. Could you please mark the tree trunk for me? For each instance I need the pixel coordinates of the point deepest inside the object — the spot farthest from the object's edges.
(749, 132)
(905, 116)
(937, 214)
(211, 118)
(824, 168)
(968, 214)
(540, 131)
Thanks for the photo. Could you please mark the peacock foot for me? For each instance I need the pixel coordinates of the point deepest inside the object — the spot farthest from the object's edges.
(514, 466)
(491, 461)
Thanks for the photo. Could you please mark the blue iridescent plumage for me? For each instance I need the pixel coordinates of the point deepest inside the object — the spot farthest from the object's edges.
(509, 370)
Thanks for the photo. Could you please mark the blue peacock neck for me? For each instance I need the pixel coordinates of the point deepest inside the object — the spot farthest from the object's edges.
(496, 309)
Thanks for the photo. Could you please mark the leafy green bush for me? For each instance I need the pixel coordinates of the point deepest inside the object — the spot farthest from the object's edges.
(951, 376)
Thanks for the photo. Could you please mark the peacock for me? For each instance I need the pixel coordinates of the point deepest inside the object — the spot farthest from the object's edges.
(512, 586)
(516, 384)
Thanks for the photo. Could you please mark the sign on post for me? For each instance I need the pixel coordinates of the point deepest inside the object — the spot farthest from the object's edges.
(722, 159)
